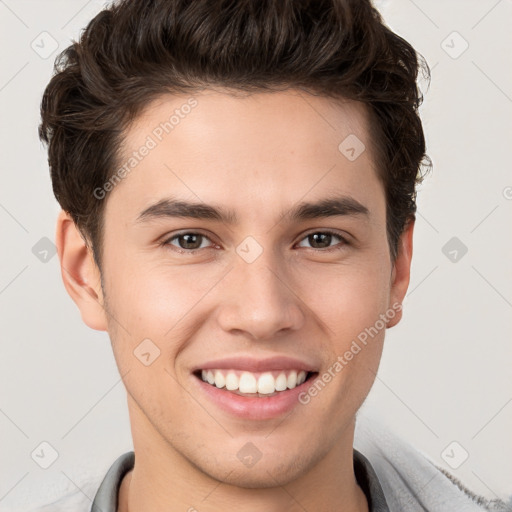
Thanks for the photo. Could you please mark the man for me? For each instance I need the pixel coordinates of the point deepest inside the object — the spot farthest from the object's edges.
(237, 182)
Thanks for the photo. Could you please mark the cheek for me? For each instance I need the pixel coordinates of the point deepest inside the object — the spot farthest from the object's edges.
(350, 300)
(156, 303)
(352, 308)
(155, 297)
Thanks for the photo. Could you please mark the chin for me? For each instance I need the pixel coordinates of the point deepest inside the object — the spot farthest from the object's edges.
(272, 472)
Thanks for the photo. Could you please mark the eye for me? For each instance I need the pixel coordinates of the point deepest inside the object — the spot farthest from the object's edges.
(323, 239)
(188, 242)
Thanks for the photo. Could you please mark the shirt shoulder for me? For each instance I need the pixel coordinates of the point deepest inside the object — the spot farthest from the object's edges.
(62, 492)
(409, 479)
(74, 497)
(100, 496)
(75, 500)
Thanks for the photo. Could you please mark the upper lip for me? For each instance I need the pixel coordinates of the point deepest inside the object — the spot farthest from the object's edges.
(257, 365)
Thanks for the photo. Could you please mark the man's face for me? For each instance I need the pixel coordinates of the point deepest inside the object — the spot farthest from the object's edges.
(254, 288)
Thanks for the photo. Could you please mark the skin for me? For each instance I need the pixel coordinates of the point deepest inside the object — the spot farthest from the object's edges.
(259, 155)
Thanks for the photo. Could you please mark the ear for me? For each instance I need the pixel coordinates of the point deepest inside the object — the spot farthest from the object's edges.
(401, 272)
(80, 273)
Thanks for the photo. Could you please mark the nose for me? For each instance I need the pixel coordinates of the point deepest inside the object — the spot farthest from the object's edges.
(259, 301)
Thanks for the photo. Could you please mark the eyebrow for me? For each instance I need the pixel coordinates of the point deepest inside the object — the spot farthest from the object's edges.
(329, 207)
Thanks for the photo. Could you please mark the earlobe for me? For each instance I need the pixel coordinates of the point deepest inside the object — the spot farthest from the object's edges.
(401, 273)
(80, 273)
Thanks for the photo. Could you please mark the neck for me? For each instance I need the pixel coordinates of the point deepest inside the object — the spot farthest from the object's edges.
(164, 480)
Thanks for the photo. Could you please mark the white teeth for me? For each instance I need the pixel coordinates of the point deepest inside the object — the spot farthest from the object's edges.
(292, 380)
(220, 381)
(281, 382)
(247, 383)
(265, 383)
(231, 382)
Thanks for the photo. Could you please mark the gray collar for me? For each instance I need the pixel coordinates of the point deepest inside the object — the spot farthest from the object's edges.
(369, 483)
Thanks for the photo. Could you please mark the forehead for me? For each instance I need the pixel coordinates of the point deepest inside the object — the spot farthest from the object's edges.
(247, 150)
(266, 116)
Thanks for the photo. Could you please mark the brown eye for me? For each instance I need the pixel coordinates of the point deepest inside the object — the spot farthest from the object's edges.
(320, 240)
(188, 241)
(323, 239)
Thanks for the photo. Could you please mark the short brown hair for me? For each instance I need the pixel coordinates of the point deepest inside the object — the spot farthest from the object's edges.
(136, 50)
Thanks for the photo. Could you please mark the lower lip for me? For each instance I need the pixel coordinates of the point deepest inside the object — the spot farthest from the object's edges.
(254, 408)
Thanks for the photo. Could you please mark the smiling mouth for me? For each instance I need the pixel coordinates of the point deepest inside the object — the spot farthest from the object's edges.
(254, 384)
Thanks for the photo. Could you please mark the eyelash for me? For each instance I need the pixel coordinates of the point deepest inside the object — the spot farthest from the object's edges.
(167, 242)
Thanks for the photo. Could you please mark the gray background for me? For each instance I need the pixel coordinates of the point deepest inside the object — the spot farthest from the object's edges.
(446, 369)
